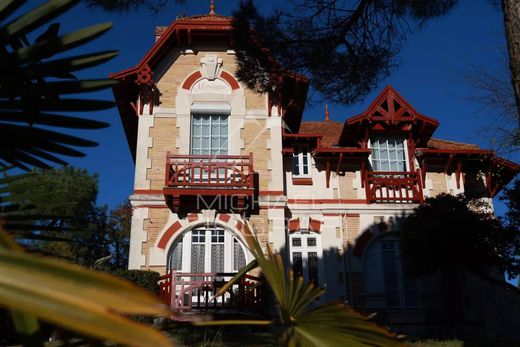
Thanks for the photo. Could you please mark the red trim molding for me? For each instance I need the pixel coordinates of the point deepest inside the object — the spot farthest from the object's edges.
(326, 201)
(315, 225)
(352, 215)
(271, 192)
(168, 235)
(230, 79)
(148, 191)
(302, 181)
(191, 80)
(150, 206)
(192, 217)
(224, 217)
(294, 225)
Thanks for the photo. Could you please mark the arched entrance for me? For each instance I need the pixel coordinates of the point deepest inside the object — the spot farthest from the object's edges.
(205, 249)
(386, 283)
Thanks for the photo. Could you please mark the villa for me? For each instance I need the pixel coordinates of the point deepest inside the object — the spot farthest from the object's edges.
(212, 154)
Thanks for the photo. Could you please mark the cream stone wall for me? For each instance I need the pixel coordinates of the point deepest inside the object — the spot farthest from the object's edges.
(256, 136)
(261, 226)
(349, 185)
(436, 184)
(157, 219)
(163, 133)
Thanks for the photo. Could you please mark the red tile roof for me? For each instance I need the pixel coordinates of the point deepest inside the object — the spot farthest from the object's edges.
(445, 144)
(331, 132)
(197, 18)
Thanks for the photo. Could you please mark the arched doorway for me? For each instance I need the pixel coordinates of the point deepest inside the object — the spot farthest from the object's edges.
(386, 283)
(207, 249)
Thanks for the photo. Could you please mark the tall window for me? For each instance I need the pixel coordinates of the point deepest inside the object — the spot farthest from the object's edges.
(388, 153)
(301, 161)
(204, 250)
(305, 253)
(209, 134)
(383, 273)
(401, 289)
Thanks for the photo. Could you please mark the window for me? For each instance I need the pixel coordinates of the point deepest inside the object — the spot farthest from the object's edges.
(401, 289)
(209, 134)
(301, 161)
(388, 154)
(204, 250)
(305, 254)
(384, 274)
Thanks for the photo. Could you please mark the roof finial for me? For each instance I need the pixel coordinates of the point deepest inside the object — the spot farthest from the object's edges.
(327, 113)
(212, 7)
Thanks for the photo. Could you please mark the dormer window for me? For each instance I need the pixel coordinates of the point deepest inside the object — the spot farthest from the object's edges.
(301, 161)
(388, 153)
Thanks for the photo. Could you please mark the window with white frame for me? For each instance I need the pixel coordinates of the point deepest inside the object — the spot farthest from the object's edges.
(388, 153)
(305, 253)
(203, 250)
(301, 161)
(209, 134)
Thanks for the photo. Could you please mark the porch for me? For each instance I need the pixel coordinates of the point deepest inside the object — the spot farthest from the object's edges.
(186, 291)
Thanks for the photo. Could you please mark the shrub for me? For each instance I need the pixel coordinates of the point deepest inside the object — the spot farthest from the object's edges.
(141, 278)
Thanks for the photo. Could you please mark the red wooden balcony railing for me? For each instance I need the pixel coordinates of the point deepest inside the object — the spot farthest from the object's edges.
(206, 171)
(185, 291)
(393, 187)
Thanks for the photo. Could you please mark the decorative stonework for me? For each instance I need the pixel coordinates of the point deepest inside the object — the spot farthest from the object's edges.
(215, 86)
(211, 65)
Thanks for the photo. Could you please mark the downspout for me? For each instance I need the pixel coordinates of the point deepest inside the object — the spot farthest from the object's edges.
(346, 261)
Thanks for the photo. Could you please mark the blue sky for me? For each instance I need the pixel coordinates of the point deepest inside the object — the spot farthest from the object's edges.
(429, 76)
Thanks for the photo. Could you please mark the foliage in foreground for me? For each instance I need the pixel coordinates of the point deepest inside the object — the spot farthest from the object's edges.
(304, 324)
(143, 279)
(458, 233)
(33, 84)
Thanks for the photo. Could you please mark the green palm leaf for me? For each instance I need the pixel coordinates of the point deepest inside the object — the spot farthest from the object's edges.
(50, 47)
(35, 18)
(79, 299)
(7, 7)
(53, 120)
(328, 325)
(67, 65)
(26, 96)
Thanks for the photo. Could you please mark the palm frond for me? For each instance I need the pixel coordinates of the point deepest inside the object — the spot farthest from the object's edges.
(327, 325)
(31, 95)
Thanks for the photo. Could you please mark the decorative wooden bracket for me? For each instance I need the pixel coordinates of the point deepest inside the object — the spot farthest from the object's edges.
(339, 163)
(448, 164)
(424, 168)
(458, 173)
(146, 88)
(327, 172)
(363, 173)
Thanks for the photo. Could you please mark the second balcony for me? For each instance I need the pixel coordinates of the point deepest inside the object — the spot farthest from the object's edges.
(219, 182)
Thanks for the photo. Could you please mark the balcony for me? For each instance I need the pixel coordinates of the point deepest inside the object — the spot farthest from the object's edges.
(393, 187)
(206, 179)
(184, 291)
